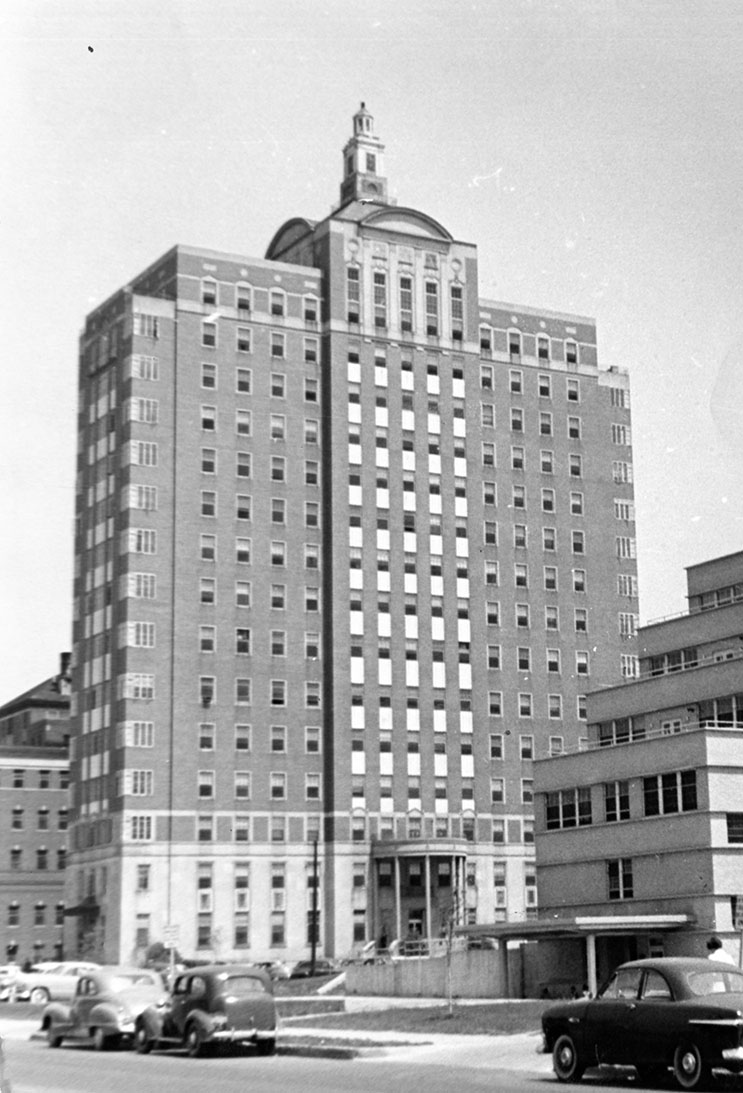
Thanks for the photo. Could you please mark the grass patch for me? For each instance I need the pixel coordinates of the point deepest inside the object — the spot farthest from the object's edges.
(487, 1019)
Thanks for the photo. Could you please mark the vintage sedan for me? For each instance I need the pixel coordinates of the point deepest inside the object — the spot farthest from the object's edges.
(51, 982)
(209, 1006)
(674, 1013)
(304, 969)
(104, 1008)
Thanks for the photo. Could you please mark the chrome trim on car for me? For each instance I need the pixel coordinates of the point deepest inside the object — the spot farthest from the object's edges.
(733, 1054)
(729, 1022)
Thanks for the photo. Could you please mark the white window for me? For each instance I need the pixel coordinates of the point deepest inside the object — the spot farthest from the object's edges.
(626, 546)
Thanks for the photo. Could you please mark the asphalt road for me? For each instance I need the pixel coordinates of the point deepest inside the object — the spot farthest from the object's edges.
(35, 1068)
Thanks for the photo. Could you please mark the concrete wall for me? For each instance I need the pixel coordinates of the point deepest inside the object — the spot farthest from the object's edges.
(475, 974)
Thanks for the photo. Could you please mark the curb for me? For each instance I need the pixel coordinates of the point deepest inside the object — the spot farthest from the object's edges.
(312, 1051)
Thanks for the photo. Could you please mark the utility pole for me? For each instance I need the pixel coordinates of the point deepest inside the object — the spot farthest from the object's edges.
(313, 950)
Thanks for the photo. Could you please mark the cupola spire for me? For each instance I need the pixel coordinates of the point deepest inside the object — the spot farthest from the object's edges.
(363, 163)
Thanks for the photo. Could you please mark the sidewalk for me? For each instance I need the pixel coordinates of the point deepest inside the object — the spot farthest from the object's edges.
(519, 1051)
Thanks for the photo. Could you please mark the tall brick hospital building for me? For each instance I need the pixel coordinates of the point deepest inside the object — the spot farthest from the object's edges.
(352, 543)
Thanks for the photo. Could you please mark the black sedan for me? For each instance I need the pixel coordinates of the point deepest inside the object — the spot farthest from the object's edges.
(304, 969)
(680, 1013)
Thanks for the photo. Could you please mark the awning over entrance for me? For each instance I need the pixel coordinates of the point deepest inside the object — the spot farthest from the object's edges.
(580, 926)
(87, 909)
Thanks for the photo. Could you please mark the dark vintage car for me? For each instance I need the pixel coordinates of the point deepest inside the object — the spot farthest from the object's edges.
(304, 969)
(671, 1013)
(212, 1005)
(105, 1005)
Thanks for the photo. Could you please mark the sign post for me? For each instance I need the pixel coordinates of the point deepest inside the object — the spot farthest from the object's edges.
(170, 941)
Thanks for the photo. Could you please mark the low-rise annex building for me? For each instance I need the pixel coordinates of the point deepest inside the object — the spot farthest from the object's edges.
(34, 811)
(639, 836)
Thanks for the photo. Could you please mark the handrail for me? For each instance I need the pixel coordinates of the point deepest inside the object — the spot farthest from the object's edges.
(694, 611)
(649, 734)
(699, 662)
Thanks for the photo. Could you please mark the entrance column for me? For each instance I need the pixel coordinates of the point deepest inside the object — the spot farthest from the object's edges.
(398, 921)
(503, 967)
(427, 881)
(591, 963)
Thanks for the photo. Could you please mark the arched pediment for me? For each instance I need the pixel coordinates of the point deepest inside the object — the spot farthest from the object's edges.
(288, 235)
(407, 222)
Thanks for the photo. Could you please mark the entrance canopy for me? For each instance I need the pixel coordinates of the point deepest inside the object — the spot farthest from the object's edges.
(580, 926)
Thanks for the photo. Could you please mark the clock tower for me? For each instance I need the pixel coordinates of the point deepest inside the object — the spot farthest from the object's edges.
(363, 170)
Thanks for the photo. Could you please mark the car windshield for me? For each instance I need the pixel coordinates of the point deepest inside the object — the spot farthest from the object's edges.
(240, 986)
(715, 981)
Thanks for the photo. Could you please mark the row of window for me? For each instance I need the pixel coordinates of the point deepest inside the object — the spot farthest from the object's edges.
(40, 913)
(243, 642)
(406, 313)
(42, 857)
(514, 830)
(33, 778)
(245, 343)
(277, 592)
(206, 782)
(543, 345)
(43, 819)
(142, 685)
(209, 504)
(554, 745)
(242, 297)
(662, 795)
(554, 702)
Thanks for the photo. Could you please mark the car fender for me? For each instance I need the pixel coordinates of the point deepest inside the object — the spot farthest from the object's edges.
(204, 1020)
(105, 1016)
(152, 1020)
(56, 1013)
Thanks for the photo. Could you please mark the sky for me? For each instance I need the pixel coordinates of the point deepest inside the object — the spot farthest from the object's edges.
(592, 149)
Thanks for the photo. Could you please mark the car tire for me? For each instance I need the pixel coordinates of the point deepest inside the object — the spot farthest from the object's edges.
(39, 996)
(195, 1045)
(265, 1047)
(100, 1040)
(567, 1060)
(53, 1038)
(142, 1043)
(689, 1067)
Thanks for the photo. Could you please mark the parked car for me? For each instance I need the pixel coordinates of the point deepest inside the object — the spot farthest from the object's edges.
(212, 1005)
(673, 1013)
(52, 982)
(277, 969)
(303, 969)
(104, 1008)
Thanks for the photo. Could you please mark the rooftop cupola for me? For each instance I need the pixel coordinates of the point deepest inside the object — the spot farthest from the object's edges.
(363, 163)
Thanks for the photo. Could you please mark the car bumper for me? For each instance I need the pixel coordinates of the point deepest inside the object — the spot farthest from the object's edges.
(242, 1035)
(732, 1058)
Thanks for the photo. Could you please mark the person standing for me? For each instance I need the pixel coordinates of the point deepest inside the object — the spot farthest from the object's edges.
(715, 951)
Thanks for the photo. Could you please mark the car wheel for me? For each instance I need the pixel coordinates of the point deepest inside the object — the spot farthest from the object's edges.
(142, 1042)
(689, 1068)
(39, 996)
(100, 1040)
(53, 1038)
(265, 1047)
(195, 1045)
(566, 1060)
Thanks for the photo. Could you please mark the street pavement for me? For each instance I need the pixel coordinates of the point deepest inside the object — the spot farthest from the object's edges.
(517, 1052)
